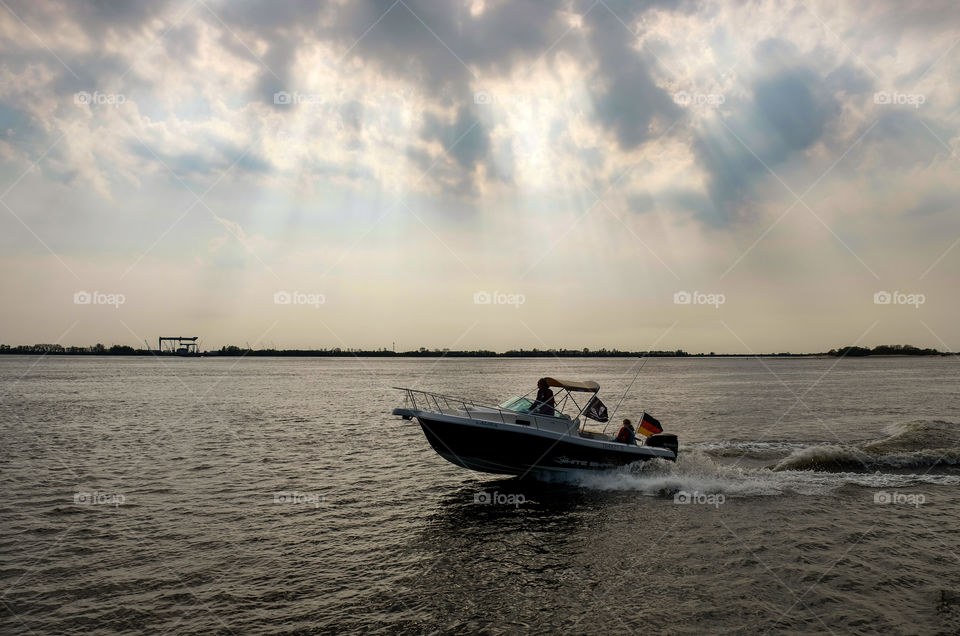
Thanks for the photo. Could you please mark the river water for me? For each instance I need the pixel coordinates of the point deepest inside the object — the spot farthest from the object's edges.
(280, 496)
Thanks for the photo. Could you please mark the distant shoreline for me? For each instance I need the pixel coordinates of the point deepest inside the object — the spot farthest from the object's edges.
(884, 351)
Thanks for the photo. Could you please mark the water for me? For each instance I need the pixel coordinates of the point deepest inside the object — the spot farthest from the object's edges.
(142, 495)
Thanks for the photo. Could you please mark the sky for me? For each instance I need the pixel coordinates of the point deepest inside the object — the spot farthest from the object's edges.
(733, 177)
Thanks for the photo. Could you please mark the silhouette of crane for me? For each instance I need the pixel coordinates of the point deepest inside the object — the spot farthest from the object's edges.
(180, 345)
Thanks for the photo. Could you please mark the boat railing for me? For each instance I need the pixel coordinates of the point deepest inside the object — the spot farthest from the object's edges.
(450, 405)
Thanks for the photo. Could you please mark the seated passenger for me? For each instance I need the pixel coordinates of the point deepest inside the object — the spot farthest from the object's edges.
(544, 404)
(627, 434)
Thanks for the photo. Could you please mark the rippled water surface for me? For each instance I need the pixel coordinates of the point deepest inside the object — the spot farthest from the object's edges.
(280, 495)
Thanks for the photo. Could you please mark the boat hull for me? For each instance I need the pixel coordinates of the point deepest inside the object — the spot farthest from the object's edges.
(505, 450)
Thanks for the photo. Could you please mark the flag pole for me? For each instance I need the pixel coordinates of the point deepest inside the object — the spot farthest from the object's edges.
(610, 419)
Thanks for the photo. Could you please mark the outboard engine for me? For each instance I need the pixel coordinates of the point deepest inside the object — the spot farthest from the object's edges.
(664, 440)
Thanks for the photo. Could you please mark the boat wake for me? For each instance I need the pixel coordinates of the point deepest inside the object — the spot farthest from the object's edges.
(795, 468)
(846, 458)
(921, 444)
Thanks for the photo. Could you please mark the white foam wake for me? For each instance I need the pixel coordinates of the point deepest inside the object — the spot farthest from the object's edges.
(694, 471)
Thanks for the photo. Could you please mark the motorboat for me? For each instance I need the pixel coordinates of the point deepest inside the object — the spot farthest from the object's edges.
(521, 436)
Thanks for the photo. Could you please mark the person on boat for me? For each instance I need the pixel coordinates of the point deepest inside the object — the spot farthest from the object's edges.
(545, 404)
(627, 435)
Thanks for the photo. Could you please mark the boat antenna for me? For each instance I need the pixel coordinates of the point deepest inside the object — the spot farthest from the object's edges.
(616, 408)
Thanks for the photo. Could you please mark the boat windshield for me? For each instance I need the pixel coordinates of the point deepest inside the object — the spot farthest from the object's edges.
(518, 404)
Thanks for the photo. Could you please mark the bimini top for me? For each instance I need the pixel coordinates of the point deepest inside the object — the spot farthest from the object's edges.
(586, 385)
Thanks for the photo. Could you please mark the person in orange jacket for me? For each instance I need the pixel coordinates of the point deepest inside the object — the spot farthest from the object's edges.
(627, 434)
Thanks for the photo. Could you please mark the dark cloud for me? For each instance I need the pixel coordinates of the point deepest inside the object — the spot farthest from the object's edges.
(440, 43)
(794, 111)
(265, 17)
(95, 17)
(628, 101)
(401, 45)
(277, 76)
(465, 139)
(283, 27)
(789, 111)
(113, 15)
(466, 143)
(181, 42)
(420, 40)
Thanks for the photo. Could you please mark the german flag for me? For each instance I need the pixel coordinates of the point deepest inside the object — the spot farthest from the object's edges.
(649, 425)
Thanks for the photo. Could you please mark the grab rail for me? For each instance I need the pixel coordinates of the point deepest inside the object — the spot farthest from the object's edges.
(451, 404)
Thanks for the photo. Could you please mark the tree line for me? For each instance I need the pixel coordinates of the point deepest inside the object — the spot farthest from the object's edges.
(234, 351)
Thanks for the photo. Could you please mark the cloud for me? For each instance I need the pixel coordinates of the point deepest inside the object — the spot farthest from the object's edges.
(19, 130)
(443, 44)
(446, 51)
(794, 111)
(628, 102)
(465, 145)
(587, 99)
(206, 86)
(442, 48)
(465, 139)
(788, 109)
(95, 18)
(208, 158)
